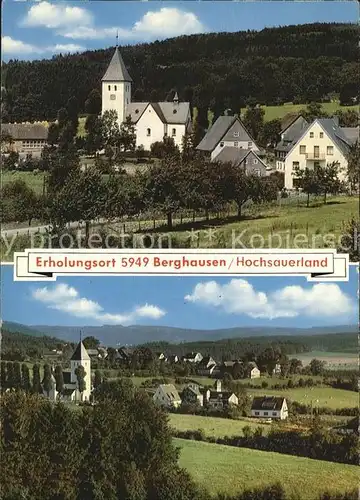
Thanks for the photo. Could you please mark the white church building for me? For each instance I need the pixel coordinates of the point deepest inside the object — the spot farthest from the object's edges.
(153, 120)
(71, 391)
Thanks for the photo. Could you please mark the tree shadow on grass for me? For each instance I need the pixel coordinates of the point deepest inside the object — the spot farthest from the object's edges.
(203, 224)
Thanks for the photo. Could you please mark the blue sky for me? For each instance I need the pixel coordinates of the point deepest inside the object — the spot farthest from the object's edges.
(188, 302)
(40, 29)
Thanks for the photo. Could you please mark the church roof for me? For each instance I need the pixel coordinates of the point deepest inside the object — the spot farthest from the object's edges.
(168, 112)
(80, 353)
(116, 71)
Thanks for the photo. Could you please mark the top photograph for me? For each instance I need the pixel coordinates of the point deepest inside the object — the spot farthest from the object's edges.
(180, 125)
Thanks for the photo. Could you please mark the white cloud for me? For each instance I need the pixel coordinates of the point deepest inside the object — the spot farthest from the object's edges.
(17, 47)
(238, 296)
(78, 23)
(48, 15)
(64, 298)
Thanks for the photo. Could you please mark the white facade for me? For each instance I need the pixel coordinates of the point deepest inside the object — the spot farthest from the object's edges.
(116, 96)
(254, 373)
(233, 144)
(167, 396)
(281, 414)
(152, 121)
(316, 146)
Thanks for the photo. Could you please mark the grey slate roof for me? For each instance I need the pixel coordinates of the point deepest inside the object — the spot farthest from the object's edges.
(116, 71)
(336, 133)
(25, 131)
(215, 133)
(351, 133)
(171, 392)
(221, 396)
(168, 112)
(226, 128)
(271, 403)
(80, 353)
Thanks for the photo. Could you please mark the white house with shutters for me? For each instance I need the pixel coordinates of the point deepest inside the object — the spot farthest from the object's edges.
(322, 143)
(153, 120)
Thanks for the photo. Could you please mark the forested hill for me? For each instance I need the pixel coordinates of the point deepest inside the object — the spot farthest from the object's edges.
(299, 63)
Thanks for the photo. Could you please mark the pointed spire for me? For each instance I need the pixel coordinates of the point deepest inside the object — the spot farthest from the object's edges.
(176, 98)
(117, 38)
(116, 71)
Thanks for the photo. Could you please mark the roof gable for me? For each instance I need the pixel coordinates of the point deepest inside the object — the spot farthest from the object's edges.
(237, 132)
(216, 132)
(80, 353)
(116, 71)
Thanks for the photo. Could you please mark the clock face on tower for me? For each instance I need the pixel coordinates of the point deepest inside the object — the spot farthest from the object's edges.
(112, 97)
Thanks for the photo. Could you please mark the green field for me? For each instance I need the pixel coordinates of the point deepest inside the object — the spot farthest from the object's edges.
(230, 470)
(319, 396)
(34, 180)
(272, 112)
(274, 226)
(214, 426)
(334, 360)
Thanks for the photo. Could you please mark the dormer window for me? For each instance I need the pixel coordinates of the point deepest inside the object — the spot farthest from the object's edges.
(221, 144)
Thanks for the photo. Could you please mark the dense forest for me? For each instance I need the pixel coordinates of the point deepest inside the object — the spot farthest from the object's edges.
(299, 64)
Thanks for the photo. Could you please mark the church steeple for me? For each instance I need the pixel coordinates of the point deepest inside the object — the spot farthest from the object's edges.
(116, 71)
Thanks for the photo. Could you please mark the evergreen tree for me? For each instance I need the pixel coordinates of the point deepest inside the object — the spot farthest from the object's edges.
(93, 103)
(3, 376)
(127, 135)
(36, 381)
(17, 375)
(25, 375)
(97, 379)
(47, 382)
(59, 379)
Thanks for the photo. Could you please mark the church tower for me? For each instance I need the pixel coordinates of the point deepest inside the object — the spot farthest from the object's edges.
(81, 358)
(116, 87)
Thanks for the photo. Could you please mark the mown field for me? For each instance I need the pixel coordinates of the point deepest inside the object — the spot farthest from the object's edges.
(214, 426)
(230, 470)
(272, 112)
(317, 396)
(334, 360)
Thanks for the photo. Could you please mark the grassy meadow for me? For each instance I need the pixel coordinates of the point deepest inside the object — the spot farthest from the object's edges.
(230, 470)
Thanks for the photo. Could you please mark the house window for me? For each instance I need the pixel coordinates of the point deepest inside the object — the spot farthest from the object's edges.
(311, 135)
(173, 132)
(148, 132)
(249, 144)
(255, 161)
(257, 172)
(321, 135)
(221, 144)
(302, 150)
(330, 150)
(236, 134)
(115, 88)
(257, 413)
(236, 144)
(274, 413)
(295, 165)
(109, 87)
(266, 413)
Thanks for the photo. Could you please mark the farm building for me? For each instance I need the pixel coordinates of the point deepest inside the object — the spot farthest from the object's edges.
(269, 407)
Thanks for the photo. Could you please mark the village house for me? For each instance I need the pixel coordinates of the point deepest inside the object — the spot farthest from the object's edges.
(125, 353)
(94, 354)
(24, 138)
(173, 358)
(192, 357)
(166, 395)
(277, 369)
(252, 371)
(160, 356)
(153, 120)
(206, 366)
(322, 143)
(219, 399)
(193, 394)
(227, 131)
(292, 127)
(269, 407)
(71, 391)
(247, 159)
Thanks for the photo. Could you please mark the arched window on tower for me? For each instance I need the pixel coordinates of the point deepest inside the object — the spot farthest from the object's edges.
(115, 87)
(148, 132)
(109, 87)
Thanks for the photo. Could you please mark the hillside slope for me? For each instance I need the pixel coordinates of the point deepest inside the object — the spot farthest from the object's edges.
(275, 65)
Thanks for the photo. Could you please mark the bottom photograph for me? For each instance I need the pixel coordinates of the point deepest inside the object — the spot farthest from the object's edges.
(179, 388)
